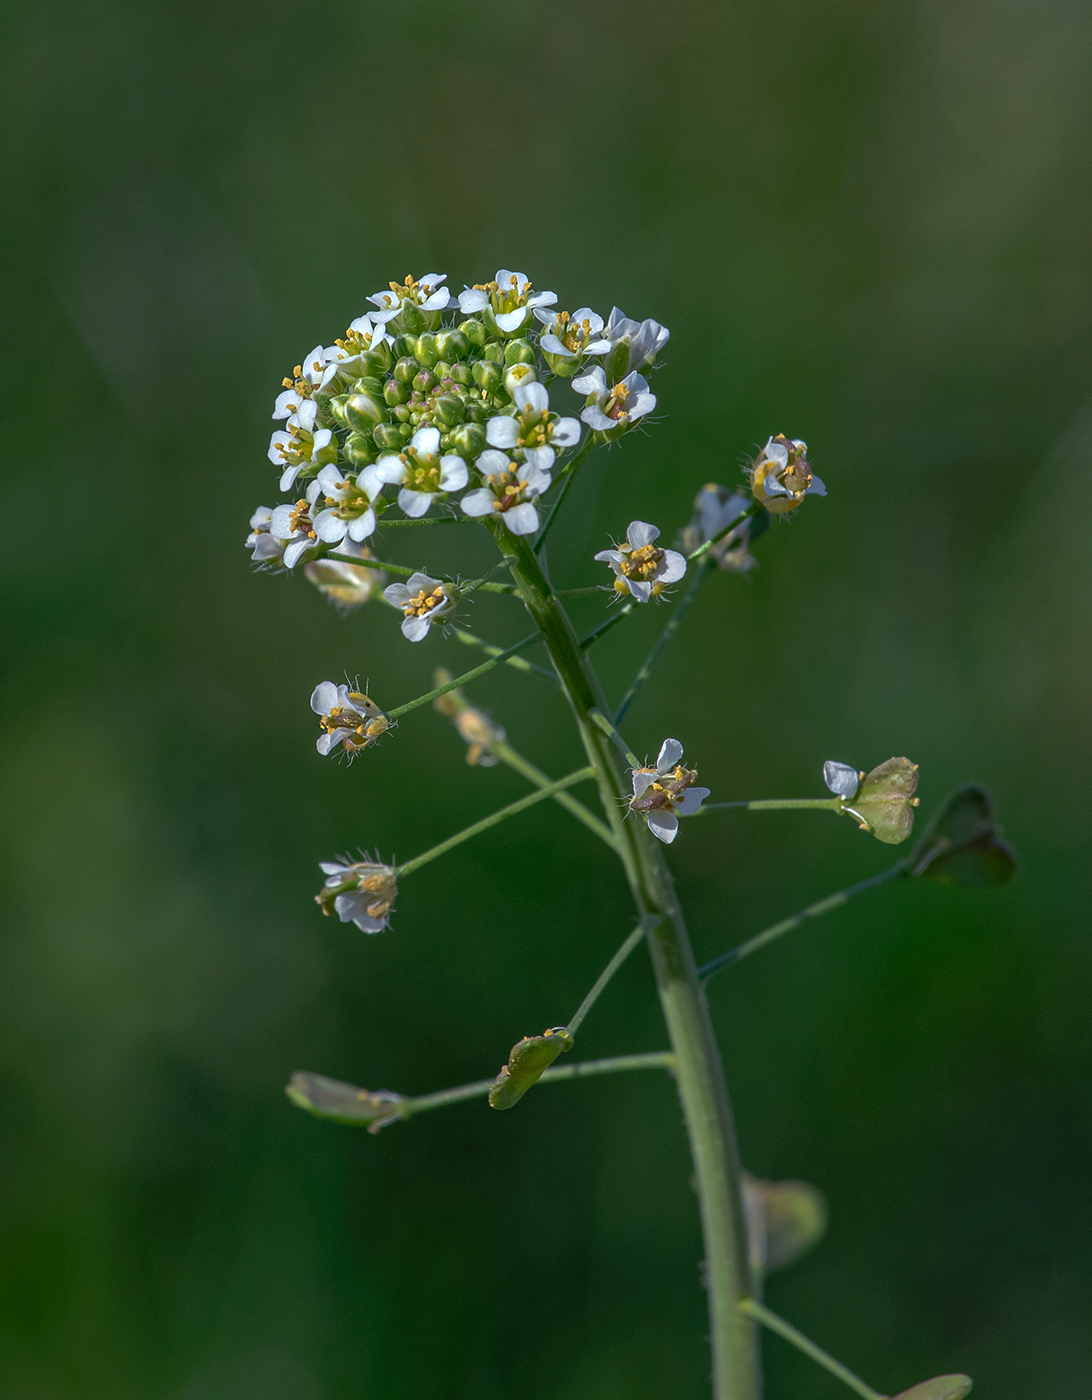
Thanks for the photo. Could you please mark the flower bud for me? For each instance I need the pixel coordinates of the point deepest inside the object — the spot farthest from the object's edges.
(405, 345)
(405, 369)
(378, 359)
(516, 377)
(460, 373)
(395, 393)
(423, 381)
(390, 437)
(448, 410)
(344, 1103)
(362, 412)
(939, 1388)
(885, 801)
(488, 376)
(426, 350)
(468, 440)
(413, 318)
(373, 384)
(494, 353)
(347, 585)
(784, 1219)
(336, 409)
(452, 345)
(526, 1061)
(475, 332)
(962, 845)
(519, 352)
(359, 450)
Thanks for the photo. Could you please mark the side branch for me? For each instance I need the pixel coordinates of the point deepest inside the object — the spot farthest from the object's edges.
(463, 679)
(769, 1319)
(701, 573)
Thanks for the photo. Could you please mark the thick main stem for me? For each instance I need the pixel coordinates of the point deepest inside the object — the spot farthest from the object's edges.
(699, 1072)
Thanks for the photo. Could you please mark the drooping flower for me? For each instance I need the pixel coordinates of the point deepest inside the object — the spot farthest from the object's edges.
(349, 505)
(568, 339)
(346, 585)
(842, 778)
(307, 379)
(348, 717)
(293, 527)
(300, 445)
(633, 344)
(508, 301)
(423, 601)
(266, 547)
(508, 493)
(666, 792)
(781, 476)
(640, 567)
(361, 892)
(613, 408)
(421, 472)
(532, 427)
(427, 294)
(715, 507)
(474, 725)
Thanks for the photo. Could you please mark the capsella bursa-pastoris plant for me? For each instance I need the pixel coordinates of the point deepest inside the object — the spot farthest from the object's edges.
(479, 409)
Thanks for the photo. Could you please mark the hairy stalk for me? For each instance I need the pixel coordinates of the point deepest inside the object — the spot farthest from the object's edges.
(699, 1072)
(808, 1347)
(641, 931)
(401, 710)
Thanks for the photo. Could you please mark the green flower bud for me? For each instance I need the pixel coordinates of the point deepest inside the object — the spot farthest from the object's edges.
(526, 1061)
(468, 440)
(477, 411)
(448, 410)
(336, 409)
(494, 352)
(401, 414)
(373, 384)
(460, 372)
(345, 1103)
(962, 844)
(475, 332)
(426, 350)
(784, 1219)
(378, 359)
(885, 801)
(395, 393)
(424, 380)
(441, 369)
(939, 1388)
(362, 411)
(404, 345)
(488, 376)
(389, 437)
(452, 345)
(519, 352)
(413, 318)
(359, 450)
(405, 369)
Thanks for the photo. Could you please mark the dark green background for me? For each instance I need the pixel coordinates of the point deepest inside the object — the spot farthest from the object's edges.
(867, 225)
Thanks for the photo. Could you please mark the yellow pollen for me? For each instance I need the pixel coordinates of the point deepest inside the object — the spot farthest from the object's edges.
(642, 563)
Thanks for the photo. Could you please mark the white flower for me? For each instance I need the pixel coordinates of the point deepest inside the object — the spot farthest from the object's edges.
(423, 601)
(348, 717)
(643, 341)
(781, 476)
(661, 792)
(842, 779)
(309, 378)
(640, 568)
(344, 355)
(568, 339)
(266, 547)
(299, 445)
(293, 527)
(715, 507)
(508, 301)
(508, 493)
(349, 505)
(533, 428)
(426, 293)
(347, 585)
(421, 472)
(618, 406)
(360, 892)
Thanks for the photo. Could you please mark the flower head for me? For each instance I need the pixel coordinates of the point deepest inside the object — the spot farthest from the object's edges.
(344, 357)
(661, 792)
(423, 601)
(640, 568)
(614, 408)
(781, 476)
(509, 492)
(714, 508)
(348, 585)
(531, 428)
(360, 892)
(347, 717)
(508, 301)
(421, 472)
(349, 505)
(569, 338)
(633, 344)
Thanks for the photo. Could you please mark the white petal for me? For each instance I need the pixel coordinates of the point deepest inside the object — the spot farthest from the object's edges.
(665, 825)
(287, 403)
(490, 462)
(370, 482)
(415, 629)
(294, 551)
(362, 526)
(566, 432)
(842, 778)
(326, 743)
(306, 414)
(509, 321)
(542, 299)
(419, 580)
(331, 481)
(816, 488)
(438, 301)
(502, 432)
(533, 397)
(598, 420)
(522, 520)
(551, 346)
(643, 778)
(389, 469)
(324, 697)
(322, 439)
(471, 300)
(278, 440)
(262, 516)
(414, 503)
(585, 313)
(453, 473)
(642, 592)
(673, 567)
(594, 382)
(638, 407)
(539, 459)
(536, 478)
(397, 593)
(776, 452)
(332, 867)
(640, 533)
(427, 441)
(608, 556)
(280, 522)
(478, 503)
(288, 477)
(691, 800)
(330, 527)
(671, 751)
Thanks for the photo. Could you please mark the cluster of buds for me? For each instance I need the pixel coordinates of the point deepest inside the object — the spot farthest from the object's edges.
(435, 395)
(360, 892)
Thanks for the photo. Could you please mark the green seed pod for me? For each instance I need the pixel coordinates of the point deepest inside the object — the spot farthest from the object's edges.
(406, 368)
(413, 318)
(364, 412)
(519, 352)
(426, 350)
(359, 449)
(468, 440)
(488, 376)
(388, 437)
(460, 373)
(962, 845)
(336, 409)
(526, 1061)
(395, 393)
(885, 801)
(378, 359)
(475, 332)
(494, 352)
(452, 345)
(448, 410)
(423, 381)
(939, 1388)
(344, 1103)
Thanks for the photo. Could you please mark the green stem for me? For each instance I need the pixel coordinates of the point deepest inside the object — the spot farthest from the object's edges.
(641, 931)
(463, 679)
(769, 1319)
(677, 614)
(520, 663)
(594, 636)
(821, 906)
(599, 719)
(385, 524)
(570, 477)
(483, 582)
(513, 809)
(778, 804)
(703, 549)
(700, 1075)
(526, 769)
(407, 572)
(567, 593)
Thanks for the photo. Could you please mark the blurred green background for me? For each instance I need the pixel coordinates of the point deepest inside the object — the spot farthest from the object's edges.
(866, 225)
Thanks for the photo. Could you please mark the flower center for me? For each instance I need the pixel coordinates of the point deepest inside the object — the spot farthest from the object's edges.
(642, 563)
(507, 488)
(616, 402)
(350, 501)
(300, 520)
(422, 471)
(424, 603)
(572, 334)
(666, 792)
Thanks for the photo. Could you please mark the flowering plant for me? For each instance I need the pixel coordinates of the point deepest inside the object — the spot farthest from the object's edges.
(462, 406)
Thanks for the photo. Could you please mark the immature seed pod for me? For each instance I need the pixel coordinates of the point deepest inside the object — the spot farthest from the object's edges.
(526, 1061)
(519, 352)
(362, 411)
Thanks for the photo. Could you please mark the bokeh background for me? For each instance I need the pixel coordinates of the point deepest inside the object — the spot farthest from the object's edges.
(866, 225)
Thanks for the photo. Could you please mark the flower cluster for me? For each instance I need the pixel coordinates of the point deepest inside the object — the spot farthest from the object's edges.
(443, 399)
